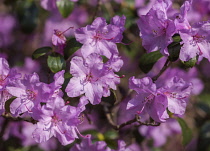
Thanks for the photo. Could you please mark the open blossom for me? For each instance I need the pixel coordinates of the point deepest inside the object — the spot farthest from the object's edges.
(181, 21)
(155, 101)
(100, 38)
(176, 91)
(196, 42)
(54, 88)
(156, 30)
(58, 39)
(29, 92)
(58, 120)
(147, 99)
(91, 77)
(8, 77)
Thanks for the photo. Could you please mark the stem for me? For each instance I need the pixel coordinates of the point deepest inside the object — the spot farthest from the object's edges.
(136, 119)
(166, 65)
(98, 6)
(10, 117)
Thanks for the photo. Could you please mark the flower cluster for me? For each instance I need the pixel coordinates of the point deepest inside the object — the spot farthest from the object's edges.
(92, 76)
(157, 29)
(155, 101)
(68, 101)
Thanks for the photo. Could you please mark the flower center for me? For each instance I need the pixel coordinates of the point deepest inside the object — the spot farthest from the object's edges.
(3, 79)
(31, 94)
(149, 98)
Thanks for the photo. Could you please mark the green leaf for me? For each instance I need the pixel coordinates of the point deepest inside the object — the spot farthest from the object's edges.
(41, 52)
(190, 63)
(174, 48)
(65, 7)
(8, 102)
(148, 60)
(72, 46)
(186, 131)
(27, 15)
(56, 62)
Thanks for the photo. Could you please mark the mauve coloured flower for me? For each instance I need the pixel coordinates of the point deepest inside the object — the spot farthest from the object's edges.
(147, 99)
(8, 77)
(196, 42)
(29, 92)
(58, 39)
(181, 21)
(156, 30)
(155, 101)
(177, 92)
(91, 77)
(100, 38)
(58, 120)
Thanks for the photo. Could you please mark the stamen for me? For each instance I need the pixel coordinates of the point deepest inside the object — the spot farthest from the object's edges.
(86, 136)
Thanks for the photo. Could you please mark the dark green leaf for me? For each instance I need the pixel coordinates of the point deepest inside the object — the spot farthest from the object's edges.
(174, 48)
(8, 102)
(72, 46)
(56, 62)
(41, 52)
(65, 7)
(27, 15)
(186, 131)
(148, 60)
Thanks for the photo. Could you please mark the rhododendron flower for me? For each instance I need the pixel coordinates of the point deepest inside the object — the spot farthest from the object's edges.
(156, 30)
(58, 39)
(154, 101)
(29, 92)
(147, 99)
(99, 37)
(181, 21)
(58, 120)
(8, 77)
(177, 91)
(91, 77)
(196, 42)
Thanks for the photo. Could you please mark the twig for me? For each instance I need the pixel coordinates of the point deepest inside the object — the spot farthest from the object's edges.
(162, 70)
(136, 119)
(98, 6)
(10, 117)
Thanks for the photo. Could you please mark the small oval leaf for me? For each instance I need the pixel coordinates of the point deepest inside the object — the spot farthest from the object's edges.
(186, 131)
(41, 52)
(56, 62)
(148, 60)
(72, 45)
(65, 7)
